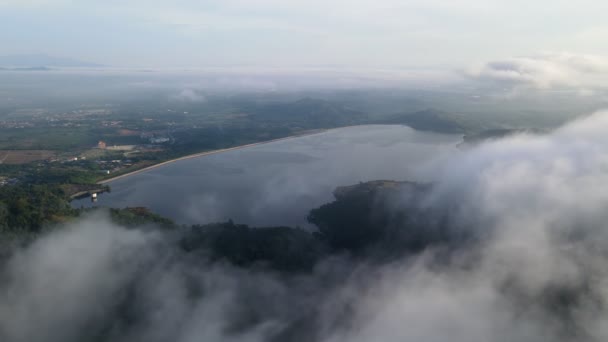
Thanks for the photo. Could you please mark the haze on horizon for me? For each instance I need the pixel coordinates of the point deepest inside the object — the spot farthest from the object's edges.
(354, 34)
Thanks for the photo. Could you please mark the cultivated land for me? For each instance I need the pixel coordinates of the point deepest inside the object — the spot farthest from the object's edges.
(24, 156)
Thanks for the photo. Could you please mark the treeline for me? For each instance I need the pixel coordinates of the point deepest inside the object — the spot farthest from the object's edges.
(362, 221)
(280, 248)
(29, 208)
(376, 221)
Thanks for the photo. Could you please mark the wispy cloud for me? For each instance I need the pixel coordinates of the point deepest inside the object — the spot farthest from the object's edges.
(546, 71)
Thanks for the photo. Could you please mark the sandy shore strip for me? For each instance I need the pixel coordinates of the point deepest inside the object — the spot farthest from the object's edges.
(207, 153)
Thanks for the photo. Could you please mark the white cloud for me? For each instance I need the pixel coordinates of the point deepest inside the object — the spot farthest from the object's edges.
(189, 95)
(545, 71)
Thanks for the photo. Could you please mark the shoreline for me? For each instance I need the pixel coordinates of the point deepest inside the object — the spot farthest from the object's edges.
(207, 153)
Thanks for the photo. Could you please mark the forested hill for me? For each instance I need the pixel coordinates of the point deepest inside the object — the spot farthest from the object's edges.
(362, 220)
(307, 112)
(369, 229)
(428, 120)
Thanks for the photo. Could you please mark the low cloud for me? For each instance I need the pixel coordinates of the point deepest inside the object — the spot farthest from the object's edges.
(536, 272)
(547, 71)
(189, 95)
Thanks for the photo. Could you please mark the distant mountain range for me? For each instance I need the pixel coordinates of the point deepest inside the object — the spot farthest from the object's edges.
(41, 60)
(308, 112)
(317, 113)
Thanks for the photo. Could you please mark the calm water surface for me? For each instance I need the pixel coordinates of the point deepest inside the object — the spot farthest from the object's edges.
(277, 183)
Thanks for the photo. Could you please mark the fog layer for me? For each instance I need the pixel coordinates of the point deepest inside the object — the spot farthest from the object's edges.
(536, 272)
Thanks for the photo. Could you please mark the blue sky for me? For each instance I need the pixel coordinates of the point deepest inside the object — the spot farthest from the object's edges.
(296, 33)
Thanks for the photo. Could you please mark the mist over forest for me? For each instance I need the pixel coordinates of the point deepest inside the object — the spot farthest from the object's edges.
(506, 243)
(303, 171)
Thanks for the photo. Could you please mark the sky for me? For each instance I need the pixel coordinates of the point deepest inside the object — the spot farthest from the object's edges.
(297, 33)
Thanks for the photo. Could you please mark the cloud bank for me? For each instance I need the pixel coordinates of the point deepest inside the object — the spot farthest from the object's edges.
(547, 71)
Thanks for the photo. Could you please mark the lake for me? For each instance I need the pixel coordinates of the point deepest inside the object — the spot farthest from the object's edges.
(279, 182)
